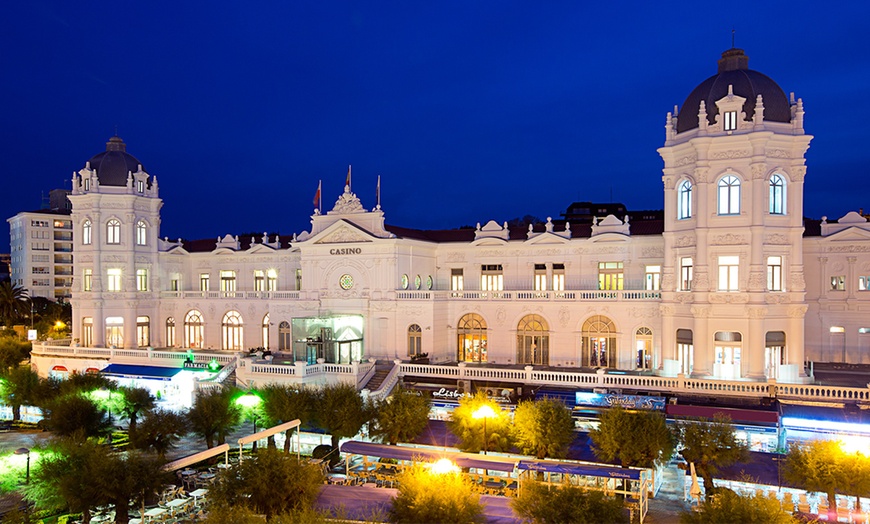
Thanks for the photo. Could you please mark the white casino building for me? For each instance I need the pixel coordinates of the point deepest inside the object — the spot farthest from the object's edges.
(733, 283)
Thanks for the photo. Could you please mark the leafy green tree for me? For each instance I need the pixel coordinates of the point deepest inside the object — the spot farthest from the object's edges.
(633, 438)
(711, 445)
(214, 415)
(76, 415)
(543, 428)
(470, 429)
(341, 411)
(129, 478)
(823, 465)
(159, 431)
(21, 386)
(13, 302)
(12, 351)
(543, 504)
(284, 403)
(271, 483)
(86, 383)
(135, 401)
(727, 507)
(426, 496)
(400, 417)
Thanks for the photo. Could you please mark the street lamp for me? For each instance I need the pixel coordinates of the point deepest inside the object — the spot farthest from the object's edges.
(25, 451)
(443, 466)
(250, 401)
(485, 411)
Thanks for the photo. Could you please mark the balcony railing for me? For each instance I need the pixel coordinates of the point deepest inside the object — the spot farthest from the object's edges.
(496, 296)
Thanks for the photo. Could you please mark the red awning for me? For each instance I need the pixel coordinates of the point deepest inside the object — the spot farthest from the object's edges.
(753, 416)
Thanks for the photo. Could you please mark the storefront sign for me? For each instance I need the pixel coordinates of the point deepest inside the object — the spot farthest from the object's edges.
(346, 251)
(450, 394)
(611, 400)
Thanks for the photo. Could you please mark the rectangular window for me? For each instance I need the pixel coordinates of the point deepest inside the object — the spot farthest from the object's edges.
(228, 281)
(456, 280)
(558, 277)
(610, 275)
(653, 278)
(863, 283)
(141, 280)
(203, 281)
(271, 280)
(491, 278)
(728, 272)
(686, 274)
(140, 186)
(113, 283)
(298, 279)
(774, 273)
(87, 279)
(540, 277)
(259, 280)
(730, 120)
(838, 283)
(174, 285)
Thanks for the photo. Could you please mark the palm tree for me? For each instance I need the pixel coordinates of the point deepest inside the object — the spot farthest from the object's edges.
(134, 402)
(401, 417)
(13, 302)
(214, 415)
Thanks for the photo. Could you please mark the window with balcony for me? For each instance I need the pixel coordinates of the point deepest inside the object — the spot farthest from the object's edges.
(728, 273)
(540, 277)
(558, 277)
(456, 280)
(774, 273)
(653, 278)
(203, 281)
(686, 274)
(491, 277)
(113, 280)
(228, 281)
(259, 280)
(271, 280)
(113, 231)
(610, 275)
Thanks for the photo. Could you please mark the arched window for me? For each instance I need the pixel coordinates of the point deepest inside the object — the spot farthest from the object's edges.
(729, 195)
(777, 195)
(533, 341)
(415, 340)
(728, 349)
(232, 331)
(141, 233)
(143, 332)
(86, 233)
(193, 329)
(170, 332)
(471, 333)
(598, 346)
(684, 200)
(113, 231)
(266, 331)
(643, 338)
(285, 341)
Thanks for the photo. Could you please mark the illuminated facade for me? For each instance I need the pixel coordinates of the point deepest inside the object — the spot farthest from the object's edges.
(718, 288)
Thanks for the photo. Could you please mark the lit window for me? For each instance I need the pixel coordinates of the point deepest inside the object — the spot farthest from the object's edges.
(864, 283)
(686, 274)
(228, 281)
(170, 332)
(232, 328)
(729, 195)
(87, 279)
(143, 331)
(203, 281)
(87, 184)
(140, 186)
(298, 279)
(141, 280)
(730, 120)
(558, 277)
(610, 275)
(271, 280)
(193, 330)
(653, 279)
(684, 200)
(86, 232)
(838, 283)
(491, 277)
(728, 272)
(837, 329)
(415, 340)
(265, 328)
(540, 277)
(774, 273)
(113, 282)
(141, 233)
(777, 195)
(259, 280)
(456, 279)
(113, 231)
(175, 284)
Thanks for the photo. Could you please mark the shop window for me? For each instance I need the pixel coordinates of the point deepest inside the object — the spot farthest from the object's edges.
(471, 333)
(415, 340)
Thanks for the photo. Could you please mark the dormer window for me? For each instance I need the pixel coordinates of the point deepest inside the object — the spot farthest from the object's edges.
(730, 120)
(87, 184)
(140, 186)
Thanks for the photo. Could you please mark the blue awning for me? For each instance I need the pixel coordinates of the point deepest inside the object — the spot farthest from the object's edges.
(592, 470)
(141, 372)
(463, 460)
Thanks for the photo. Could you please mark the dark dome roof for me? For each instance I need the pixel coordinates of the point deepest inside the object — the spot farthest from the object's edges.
(114, 163)
(734, 71)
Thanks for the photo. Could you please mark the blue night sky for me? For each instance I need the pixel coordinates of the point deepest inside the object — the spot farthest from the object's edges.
(469, 111)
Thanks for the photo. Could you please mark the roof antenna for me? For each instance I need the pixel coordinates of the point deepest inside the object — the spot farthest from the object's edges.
(732, 37)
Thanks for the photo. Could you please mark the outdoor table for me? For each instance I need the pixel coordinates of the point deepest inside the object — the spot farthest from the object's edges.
(154, 512)
(175, 504)
(224, 465)
(336, 478)
(197, 493)
(206, 476)
(187, 472)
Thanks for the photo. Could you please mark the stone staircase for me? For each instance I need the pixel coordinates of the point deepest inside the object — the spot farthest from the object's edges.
(382, 369)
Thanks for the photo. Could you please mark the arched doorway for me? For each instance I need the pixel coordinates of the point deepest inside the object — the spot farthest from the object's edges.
(285, 336)
(643, 338)
(471, 335)
(598, 346)
(533, 341)
(193, 329)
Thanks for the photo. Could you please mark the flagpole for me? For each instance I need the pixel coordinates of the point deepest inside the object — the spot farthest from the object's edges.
(320, 194)
(379, 191)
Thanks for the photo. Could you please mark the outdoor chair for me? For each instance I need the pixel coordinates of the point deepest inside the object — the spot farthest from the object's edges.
(787, 502)
(844, 514)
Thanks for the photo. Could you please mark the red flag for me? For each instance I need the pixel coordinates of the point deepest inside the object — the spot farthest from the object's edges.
(317, 195)
(347, 180)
